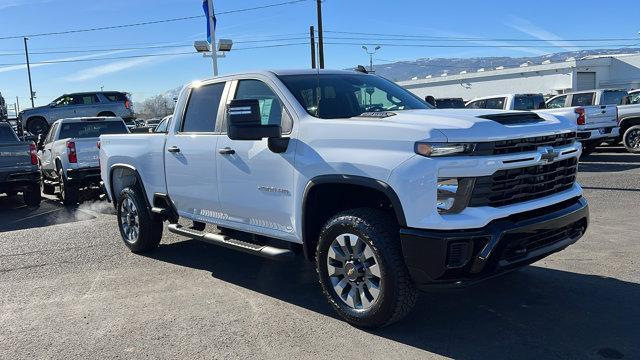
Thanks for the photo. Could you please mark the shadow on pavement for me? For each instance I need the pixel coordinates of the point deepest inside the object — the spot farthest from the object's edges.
(535, 313)
(15, 215)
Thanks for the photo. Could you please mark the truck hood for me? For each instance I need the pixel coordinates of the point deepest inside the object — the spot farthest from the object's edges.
(34, 109)
(467, 125)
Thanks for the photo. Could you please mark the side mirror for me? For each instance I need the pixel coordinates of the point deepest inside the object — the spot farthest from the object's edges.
(245, 122)
(430, 100)
(625, 100)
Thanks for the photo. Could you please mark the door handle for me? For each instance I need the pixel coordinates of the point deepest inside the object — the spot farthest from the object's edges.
(173, 149)
(226, 151)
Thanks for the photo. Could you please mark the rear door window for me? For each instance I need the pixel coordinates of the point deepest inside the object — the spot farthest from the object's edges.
(202, 109)
(634, 98)
(557, 102)
(585, 99)
(612, 97)
(495, 103)
(478, 104)
(115, 96)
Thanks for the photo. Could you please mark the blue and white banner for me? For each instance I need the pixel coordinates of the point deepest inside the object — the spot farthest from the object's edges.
(205, 7)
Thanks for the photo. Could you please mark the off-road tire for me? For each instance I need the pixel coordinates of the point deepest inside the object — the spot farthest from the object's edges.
(380, 232)
(150, 226)
(630, 139)
(32, 196)
(37, 123)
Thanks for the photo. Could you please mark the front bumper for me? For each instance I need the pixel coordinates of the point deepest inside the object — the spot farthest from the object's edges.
(84, 176)
(19, 181)
(599, 133)
(459, 257)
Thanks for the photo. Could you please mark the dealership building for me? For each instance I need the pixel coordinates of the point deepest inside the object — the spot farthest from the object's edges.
(549, 78)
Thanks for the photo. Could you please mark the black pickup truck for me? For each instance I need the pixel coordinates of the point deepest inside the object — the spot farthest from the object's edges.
(19, 170)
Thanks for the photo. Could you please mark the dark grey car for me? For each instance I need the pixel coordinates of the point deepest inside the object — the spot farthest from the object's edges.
(19, 171)
(89, 104)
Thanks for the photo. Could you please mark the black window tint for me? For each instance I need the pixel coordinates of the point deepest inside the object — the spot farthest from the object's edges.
(612, 97)
(496, 103)
(115, 96)
(7, 135)
(81, 130)
(557, 102)
(582, 99)
(271, 109)
(202, 109)
(479, 104)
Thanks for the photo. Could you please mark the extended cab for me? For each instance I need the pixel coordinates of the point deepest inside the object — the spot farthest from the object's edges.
(383, 193)
(18, 166)
(69, 154)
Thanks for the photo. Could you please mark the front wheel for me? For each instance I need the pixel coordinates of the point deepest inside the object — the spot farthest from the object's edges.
(140, 230)
(361, 268)
(32, 196)
(631, 139)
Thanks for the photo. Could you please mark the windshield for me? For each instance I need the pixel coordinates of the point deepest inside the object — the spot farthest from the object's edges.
(338, 96)
(80, 130)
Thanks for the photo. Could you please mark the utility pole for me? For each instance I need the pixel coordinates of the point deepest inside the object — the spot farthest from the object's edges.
(312, 39)
(320, 41)
(214, 50)
(26, 53)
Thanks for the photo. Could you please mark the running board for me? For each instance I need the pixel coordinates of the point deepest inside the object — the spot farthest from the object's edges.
(266, 251)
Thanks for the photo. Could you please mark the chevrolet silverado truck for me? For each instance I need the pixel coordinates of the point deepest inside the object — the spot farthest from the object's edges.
(37, 120)
(595, 112)
(629, 119)
(595, 123)
(381, 192)
(68, 155)
(18, 166)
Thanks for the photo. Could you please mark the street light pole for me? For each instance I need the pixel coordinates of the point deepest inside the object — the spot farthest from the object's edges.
(320, 35)
(26, 53)
(371, 56)
(214, 50)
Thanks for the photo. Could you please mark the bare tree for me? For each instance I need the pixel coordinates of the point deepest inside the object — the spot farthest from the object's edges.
(155, 107)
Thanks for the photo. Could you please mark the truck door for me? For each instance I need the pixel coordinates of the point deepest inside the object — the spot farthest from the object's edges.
(254, 183)
(190, 154)
(45, 154)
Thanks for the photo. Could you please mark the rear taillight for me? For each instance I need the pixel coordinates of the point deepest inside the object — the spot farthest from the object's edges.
(581, 116)
(34, 153)
(71, 152)
(127, 104)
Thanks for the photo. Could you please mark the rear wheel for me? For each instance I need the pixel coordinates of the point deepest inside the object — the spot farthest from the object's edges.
(361, 268)
(588, 147)
(32, 196)
(631, 139)
(37, 126)
(68, 192)
(140, 230)
(46, 187)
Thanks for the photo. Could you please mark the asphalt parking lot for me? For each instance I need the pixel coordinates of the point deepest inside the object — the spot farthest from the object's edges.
(70, 289)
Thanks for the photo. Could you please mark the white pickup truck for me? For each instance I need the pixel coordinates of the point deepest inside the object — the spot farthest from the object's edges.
(383, 193)
(68, 154)
(596, 122)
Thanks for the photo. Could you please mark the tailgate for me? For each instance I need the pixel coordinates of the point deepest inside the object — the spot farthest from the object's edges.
(598, 116)
(87, 152)
(14, 158)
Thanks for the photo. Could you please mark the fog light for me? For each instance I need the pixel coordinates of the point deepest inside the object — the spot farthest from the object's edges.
(447, 190)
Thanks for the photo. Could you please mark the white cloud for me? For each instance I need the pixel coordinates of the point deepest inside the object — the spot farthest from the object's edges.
(527, 27)
(56, 61)
(117, 66)
(6, 4)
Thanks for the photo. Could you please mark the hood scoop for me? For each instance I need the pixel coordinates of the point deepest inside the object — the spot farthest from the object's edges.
(516, 118)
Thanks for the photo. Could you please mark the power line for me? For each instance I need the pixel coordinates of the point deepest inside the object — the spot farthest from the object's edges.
(162, 21)
(473, 46)
(446, 38)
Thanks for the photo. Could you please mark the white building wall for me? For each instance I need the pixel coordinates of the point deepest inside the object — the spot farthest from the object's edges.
(624, 73)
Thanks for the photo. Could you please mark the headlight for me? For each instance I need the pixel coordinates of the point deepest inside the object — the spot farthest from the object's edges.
(443, 149)
(453, 194)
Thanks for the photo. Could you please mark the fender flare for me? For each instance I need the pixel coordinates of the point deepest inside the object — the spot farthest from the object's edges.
(371, 183)
(138, 181)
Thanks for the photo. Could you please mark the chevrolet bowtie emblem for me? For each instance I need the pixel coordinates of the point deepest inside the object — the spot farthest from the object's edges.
(549, 154)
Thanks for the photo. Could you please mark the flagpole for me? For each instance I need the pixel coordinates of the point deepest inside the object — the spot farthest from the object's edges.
(214, 49)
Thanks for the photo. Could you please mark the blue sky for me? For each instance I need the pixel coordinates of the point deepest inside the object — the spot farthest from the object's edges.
(144, 77)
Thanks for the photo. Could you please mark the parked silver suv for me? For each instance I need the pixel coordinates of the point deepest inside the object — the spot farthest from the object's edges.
(89, 104)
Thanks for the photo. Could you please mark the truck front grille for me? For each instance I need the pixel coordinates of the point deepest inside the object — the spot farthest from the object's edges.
(506, 187)
(524, 145)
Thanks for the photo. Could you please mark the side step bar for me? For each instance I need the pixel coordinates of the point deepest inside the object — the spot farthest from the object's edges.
(225, 241)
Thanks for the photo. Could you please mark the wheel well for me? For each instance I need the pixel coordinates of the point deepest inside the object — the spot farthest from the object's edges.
(106, 113)
(122, 177)
(31, 118)
(324, 200)
(627, 123)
